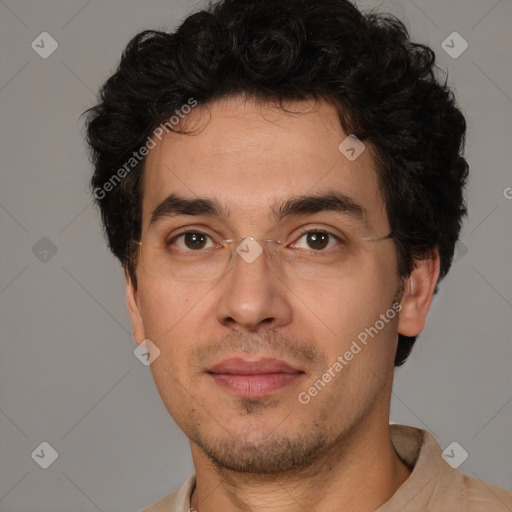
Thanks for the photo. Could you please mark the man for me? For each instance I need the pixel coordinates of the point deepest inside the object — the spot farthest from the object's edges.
(283, 184)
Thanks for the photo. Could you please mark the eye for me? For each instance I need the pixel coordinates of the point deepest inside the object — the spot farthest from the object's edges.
(192, 241)
(317, 240)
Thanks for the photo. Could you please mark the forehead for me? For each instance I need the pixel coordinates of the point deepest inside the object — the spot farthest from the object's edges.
(248, 155)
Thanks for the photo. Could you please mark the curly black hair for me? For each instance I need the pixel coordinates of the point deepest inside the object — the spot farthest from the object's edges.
(385, 88)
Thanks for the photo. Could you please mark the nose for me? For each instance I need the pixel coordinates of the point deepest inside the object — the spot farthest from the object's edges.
(252, 294)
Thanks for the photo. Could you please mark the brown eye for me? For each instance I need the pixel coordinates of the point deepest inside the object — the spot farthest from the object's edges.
(316, 240)
(191, 240)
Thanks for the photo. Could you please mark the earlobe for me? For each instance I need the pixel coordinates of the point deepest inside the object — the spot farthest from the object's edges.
(417, 296)
(133, 309)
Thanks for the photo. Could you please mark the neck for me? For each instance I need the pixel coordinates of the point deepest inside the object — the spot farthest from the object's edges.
(359, 473)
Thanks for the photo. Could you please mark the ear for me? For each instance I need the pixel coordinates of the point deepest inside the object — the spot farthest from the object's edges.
(133, 309)
(417, 296)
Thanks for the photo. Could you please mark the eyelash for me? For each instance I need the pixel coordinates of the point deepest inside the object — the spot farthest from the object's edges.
(318, 230)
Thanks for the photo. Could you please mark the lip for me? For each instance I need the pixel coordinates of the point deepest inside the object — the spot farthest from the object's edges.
(240, 366)
(254, 378)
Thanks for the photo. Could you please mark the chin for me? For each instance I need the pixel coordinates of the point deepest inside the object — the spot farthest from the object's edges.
(259, 451)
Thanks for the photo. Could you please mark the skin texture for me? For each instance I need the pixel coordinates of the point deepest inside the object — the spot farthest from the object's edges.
(274, 453)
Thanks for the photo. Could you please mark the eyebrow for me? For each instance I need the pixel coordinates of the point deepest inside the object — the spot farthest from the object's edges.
(174, 205)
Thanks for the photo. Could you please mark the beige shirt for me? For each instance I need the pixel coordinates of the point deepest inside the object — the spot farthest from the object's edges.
(432, 486)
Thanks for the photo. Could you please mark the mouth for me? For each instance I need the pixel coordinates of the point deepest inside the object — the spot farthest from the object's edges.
(254, 378)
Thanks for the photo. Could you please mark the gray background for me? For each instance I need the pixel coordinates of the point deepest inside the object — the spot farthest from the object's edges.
(68, 374)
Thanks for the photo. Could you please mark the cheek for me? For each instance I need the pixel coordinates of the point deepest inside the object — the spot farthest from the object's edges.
(172, 319)
(167, 314)
(166, 307)
(350, 311)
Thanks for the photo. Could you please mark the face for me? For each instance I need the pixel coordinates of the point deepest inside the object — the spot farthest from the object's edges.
(247, 364)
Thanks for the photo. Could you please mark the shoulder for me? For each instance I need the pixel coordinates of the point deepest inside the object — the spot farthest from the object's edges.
(482, 496)
(435, 485)
(178, 501)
